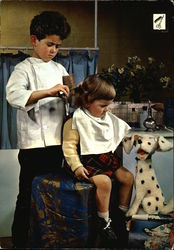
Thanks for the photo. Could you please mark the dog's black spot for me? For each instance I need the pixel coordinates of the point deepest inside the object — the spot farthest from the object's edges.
(156, 208)
(149, 191)
(164, 204)
(125, 140)
(141, 170)
(149, 203)
(150, 166)
(149, 156)
(157, 185)
(51, 109)
(162, 194)
(149, 143)
(162, 141)
(157, 198)
(139, 141)
(142, 182)
(153, 178)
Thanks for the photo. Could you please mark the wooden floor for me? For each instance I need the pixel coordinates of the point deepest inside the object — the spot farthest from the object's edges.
(5, 242)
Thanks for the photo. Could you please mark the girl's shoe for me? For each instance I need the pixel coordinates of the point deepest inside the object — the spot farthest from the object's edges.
(105, 229)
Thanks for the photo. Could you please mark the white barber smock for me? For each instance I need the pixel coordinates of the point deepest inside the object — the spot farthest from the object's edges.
(39, 124)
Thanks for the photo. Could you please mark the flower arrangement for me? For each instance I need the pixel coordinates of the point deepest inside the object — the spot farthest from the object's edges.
(137, 82)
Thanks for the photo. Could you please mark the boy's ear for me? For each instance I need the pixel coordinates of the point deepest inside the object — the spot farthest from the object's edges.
(33, 39)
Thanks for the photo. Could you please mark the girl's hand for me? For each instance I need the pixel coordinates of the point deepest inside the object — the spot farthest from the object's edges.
(128, 225)
(82, 173)
(59, 88)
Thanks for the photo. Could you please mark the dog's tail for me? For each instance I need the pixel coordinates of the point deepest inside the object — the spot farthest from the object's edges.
(168, 208)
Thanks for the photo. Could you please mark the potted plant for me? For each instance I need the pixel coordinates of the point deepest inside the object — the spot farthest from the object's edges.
(138, 82)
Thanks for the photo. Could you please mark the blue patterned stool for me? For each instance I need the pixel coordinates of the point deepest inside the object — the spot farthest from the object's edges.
(61, 212)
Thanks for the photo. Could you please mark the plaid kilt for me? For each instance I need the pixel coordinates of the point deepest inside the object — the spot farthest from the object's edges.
(106, 163)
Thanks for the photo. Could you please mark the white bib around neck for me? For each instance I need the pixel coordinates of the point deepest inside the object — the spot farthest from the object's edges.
(98, 135)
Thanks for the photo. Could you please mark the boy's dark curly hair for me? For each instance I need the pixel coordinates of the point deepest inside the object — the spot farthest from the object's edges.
(49, 23)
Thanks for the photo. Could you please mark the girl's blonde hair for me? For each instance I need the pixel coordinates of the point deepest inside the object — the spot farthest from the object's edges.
(94, 87)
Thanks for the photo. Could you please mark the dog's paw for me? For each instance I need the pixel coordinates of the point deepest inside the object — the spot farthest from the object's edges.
(131, 212)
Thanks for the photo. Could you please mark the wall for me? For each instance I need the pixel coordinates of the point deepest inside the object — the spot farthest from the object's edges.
(125, 29)
(16, 17)
(9, 174)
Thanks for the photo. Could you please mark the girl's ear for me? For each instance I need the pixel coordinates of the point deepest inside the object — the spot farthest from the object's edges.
(86, 105)
(33, 40)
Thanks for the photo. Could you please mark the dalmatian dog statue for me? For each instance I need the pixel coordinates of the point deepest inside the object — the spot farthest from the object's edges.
(148, 191)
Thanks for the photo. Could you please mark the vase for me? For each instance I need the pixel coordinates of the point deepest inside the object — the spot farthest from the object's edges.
(149, 122)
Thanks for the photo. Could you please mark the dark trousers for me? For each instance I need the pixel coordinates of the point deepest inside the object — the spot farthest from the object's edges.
(33, 162)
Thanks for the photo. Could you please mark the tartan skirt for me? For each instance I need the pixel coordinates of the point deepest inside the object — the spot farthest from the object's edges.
(105, 163)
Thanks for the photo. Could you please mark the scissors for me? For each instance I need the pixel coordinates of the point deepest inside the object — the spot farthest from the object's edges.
(160, 20)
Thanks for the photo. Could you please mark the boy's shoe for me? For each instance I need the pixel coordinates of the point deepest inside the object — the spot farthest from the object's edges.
(105, 229)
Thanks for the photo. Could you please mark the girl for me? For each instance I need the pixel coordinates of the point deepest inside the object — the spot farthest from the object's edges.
(99, 133)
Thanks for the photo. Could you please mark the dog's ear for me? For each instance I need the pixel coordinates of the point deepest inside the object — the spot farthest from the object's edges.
(163, 144)
(128, 142)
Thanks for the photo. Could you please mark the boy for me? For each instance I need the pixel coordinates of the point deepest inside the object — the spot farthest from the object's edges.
(33, 88)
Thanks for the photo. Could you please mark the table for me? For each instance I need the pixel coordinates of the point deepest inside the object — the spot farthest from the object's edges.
(152, 234)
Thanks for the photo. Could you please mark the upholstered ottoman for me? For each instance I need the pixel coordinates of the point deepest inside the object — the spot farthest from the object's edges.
(61, 212)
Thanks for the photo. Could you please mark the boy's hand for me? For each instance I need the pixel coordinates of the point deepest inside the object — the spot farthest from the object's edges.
(59, 88)
(82, 173)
